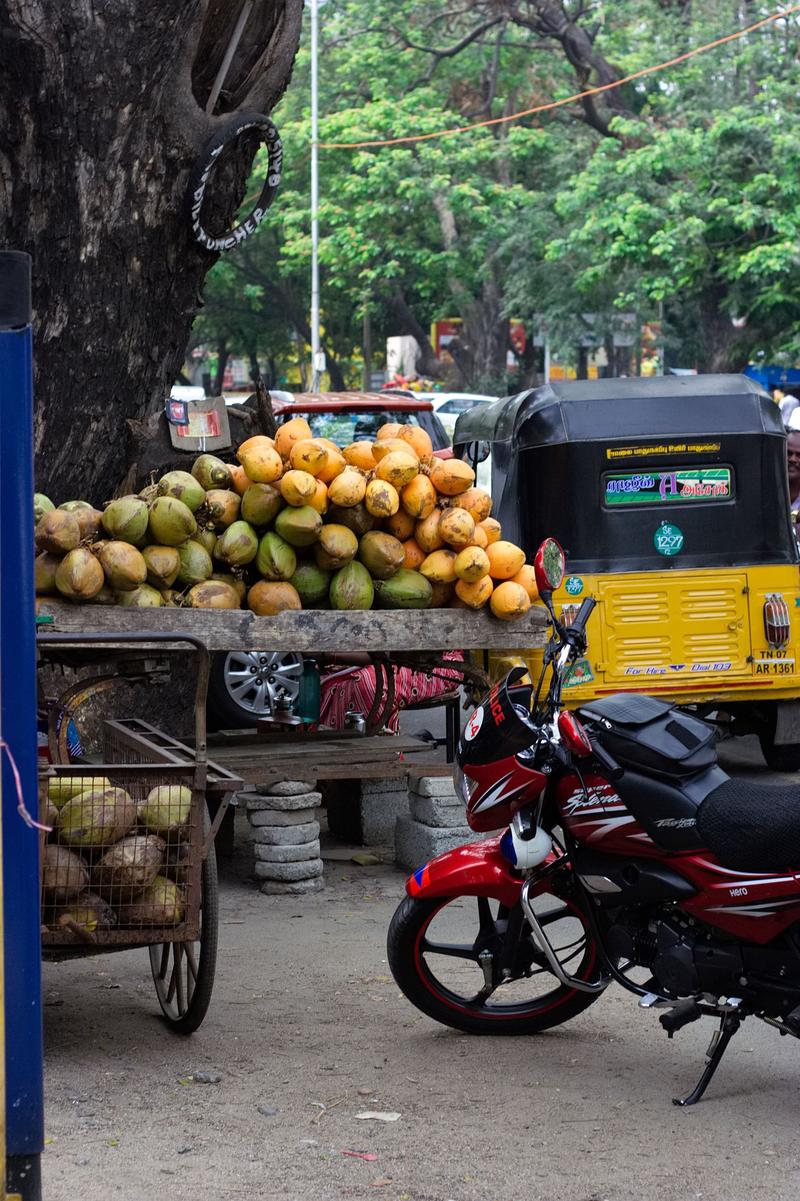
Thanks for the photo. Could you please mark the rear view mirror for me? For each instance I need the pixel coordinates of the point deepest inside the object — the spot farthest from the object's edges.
(549, 566)
(477, 452)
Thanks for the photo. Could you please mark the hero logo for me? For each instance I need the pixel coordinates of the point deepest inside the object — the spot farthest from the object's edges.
(473, 726)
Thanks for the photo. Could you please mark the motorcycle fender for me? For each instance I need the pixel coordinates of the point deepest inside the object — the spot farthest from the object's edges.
(478, 869)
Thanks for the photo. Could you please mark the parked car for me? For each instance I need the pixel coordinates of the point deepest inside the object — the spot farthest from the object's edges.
(245, 685)
(346, 417)
(448, 406)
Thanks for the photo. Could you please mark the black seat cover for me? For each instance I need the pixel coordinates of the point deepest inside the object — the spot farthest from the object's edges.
(752, 827)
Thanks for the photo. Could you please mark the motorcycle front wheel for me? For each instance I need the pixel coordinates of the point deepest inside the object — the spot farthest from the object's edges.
(446, 955)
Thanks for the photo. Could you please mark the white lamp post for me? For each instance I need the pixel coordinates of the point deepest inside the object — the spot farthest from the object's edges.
(317, 356)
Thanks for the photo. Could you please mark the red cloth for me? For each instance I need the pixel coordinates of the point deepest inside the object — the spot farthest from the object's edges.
(354, 688)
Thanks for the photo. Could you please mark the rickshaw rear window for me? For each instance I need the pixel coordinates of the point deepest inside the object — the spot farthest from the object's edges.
(664, 486)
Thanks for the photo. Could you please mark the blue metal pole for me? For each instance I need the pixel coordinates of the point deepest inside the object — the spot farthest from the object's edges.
(22, 947)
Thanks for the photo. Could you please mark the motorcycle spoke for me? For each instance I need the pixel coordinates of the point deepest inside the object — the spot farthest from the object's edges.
(486, 923)
(553, 915)
(454, 949)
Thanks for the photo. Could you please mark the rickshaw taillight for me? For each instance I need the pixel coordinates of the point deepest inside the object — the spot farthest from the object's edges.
(776, 620)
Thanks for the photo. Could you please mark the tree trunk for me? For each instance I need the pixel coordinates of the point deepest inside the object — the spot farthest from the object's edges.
(409, 323)
(102, 117)
(223, 355)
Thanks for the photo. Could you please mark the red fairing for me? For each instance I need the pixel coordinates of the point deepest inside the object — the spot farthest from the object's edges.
(754, 906)
(498, 790)
(476, 870)
(598, 817)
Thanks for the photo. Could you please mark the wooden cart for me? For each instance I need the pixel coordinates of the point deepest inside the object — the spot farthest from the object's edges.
(414, 638)
(182, 939)
(140, 757)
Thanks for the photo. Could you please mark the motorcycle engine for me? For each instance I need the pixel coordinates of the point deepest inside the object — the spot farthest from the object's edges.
(684, 959)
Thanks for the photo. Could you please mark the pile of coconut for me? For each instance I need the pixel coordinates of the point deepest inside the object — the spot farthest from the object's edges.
(298, 523)
(110, 862)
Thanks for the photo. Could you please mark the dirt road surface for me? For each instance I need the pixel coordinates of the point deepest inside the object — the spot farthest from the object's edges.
(307, 1029)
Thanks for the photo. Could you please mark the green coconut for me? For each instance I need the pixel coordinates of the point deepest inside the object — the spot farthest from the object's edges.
(213, 594)
(238, 584)
(171, 522)
(162, 563)
(143, 597)
(45, 566)
(221, 508)
(210, 472)
(41, 504)
(381, 554)
(124, 566)
(299, 525)
(161, 904)
(337, 545)
(79, 576)
(61, 789)
(96, 818)
(72, 505)
(106, 596)
(207, 539)
(312, 584)
(261, 504)
(276, 559)
(352, 588)
(406, 589)
(183, 487)
(89, 520)
(196, 564)
(125, 519)
(166, 808)
(58, 532)
(238, 546)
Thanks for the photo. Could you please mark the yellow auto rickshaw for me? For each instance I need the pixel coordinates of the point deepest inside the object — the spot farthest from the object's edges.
(670, 498)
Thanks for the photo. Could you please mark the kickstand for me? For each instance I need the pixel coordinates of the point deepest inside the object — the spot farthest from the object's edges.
(728, 1026)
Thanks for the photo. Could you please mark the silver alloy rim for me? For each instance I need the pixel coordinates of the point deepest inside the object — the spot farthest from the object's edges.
(255, 680)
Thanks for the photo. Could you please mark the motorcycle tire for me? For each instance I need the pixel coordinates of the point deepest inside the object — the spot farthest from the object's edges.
(407, 946)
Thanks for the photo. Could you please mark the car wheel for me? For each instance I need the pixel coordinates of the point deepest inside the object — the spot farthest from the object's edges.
(244, 685)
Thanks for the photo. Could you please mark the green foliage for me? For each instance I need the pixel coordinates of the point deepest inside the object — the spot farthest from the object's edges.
(688, 212)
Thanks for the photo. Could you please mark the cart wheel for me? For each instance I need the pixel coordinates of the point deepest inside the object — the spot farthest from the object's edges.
(183, 972)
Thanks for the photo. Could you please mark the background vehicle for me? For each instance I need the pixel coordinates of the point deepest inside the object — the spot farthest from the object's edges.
(448, 407)
(671, 498)
(629, 856)
(243, 686)
(350, 416)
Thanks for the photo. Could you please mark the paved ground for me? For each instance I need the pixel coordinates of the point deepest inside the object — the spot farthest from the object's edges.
(307, 1029)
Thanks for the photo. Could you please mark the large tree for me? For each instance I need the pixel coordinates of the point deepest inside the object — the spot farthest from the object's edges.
(102, 118)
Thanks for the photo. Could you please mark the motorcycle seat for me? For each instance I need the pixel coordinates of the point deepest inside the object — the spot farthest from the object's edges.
(752, 827)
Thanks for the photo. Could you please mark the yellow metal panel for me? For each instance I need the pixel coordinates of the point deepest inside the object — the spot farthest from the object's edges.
(688, 624)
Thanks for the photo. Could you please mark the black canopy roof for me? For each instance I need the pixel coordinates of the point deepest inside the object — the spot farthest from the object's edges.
(660, 406)
(554, 447)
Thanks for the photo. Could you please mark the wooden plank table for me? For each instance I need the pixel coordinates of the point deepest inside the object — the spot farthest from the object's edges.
(311, 630)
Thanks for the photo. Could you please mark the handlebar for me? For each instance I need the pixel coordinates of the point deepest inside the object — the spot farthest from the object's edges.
(583, 615)
(606, 761)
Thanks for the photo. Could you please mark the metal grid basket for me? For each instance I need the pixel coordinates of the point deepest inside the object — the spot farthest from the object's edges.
(122, 865)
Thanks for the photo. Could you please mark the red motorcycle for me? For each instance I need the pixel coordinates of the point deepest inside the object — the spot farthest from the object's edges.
(629, 856)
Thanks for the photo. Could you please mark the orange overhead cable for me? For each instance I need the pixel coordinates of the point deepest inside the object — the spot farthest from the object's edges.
(551, 104)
